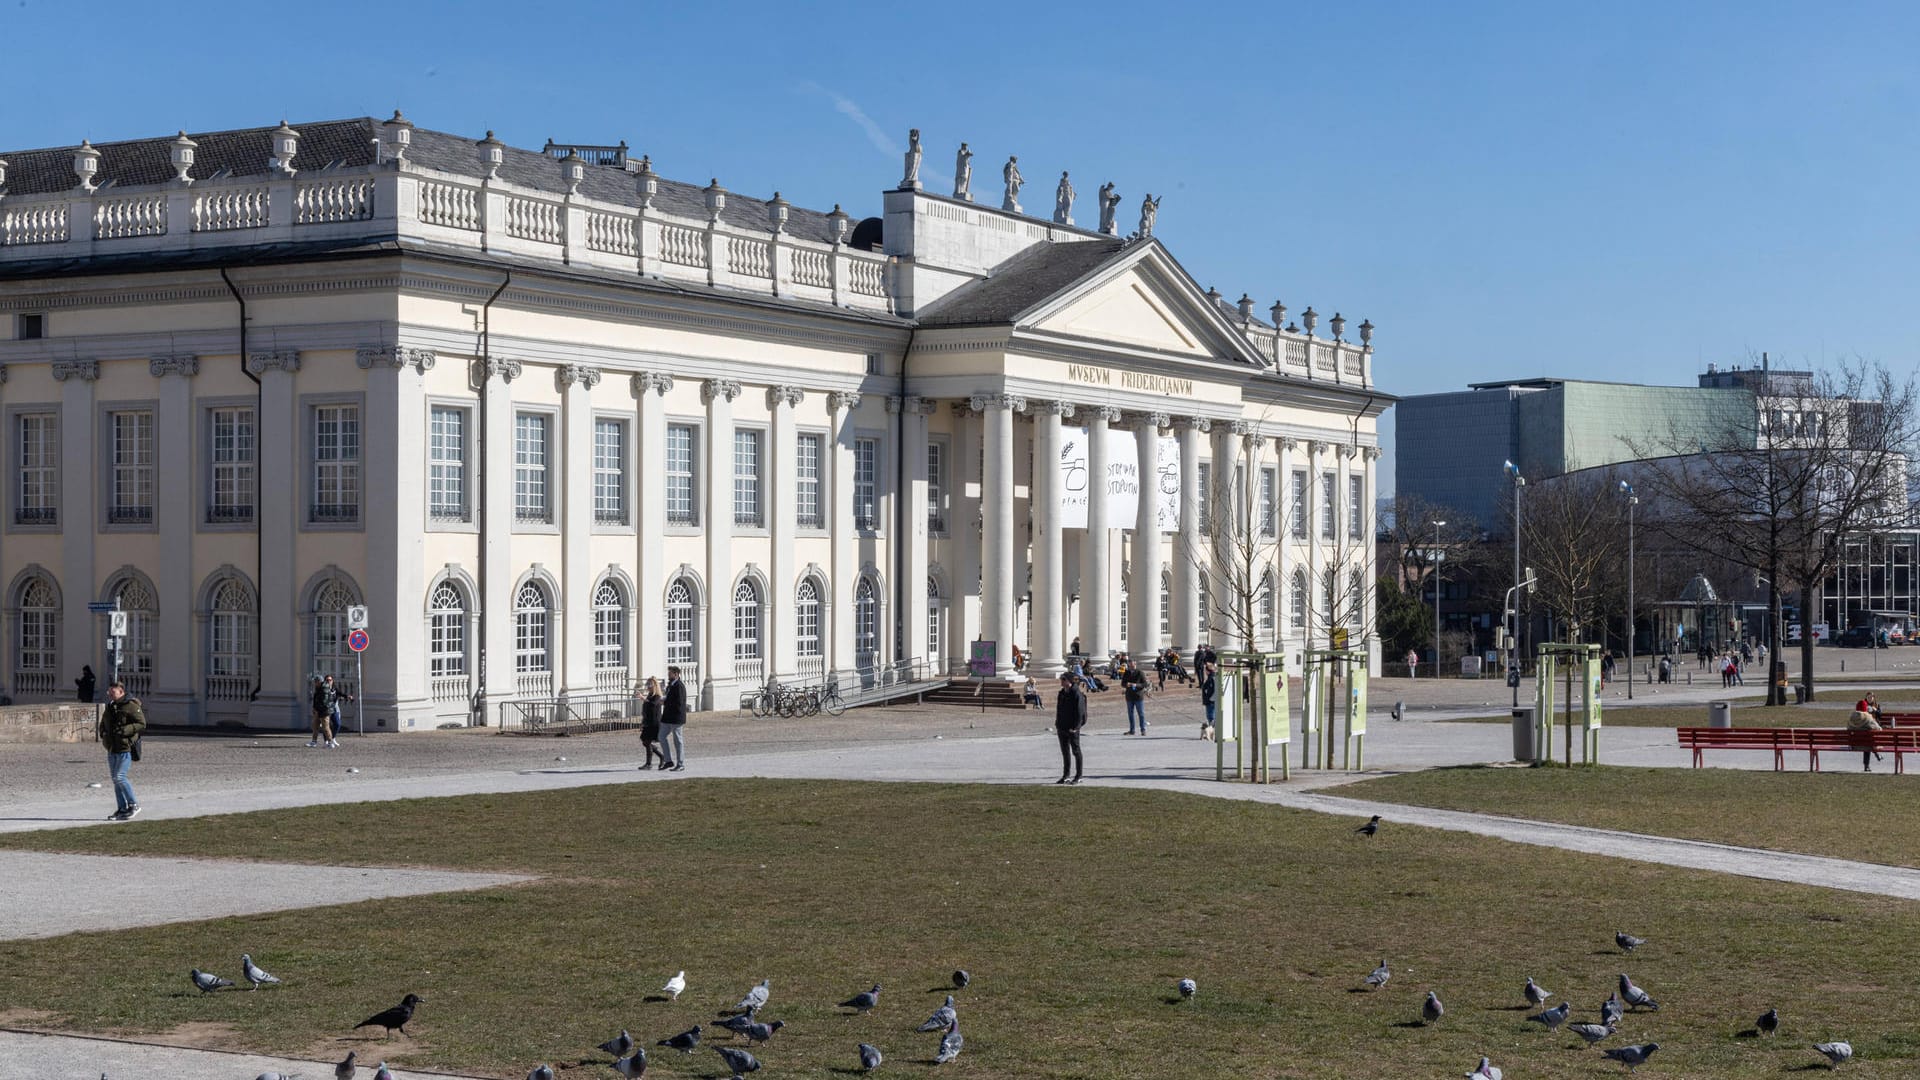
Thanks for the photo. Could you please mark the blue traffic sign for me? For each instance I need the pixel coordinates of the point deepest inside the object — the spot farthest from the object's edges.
(357, 641)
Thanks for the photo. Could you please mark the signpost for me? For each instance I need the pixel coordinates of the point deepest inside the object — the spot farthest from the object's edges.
(358, 641)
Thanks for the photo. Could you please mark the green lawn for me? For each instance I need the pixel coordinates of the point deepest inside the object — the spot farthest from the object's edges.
(1075, 909)
(1839, 813)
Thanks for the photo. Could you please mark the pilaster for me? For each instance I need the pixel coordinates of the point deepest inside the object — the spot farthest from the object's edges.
(913, 418)
(783, 491)
(650, 522)
(283, 495)
(497, 678)
(1049, 591)
(81, 641)
(717, 651)
(172, 699)
(576, 383)
(395, 690)
(846, 539)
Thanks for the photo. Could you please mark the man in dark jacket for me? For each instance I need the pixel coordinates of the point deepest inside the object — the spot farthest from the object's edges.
(1069, 716)
(673, 717)
(85, 683)
(121, 723)
(1134, 684)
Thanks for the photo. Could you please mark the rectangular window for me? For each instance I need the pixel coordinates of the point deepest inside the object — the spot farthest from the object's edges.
(336, 463)
(32, 327)
(1356, 506)
(39, 470)
(1206, 499)
(1297, 505)
(132, 492)
(231, 498)
(447, 646)
(447, 464)
(682, 507)
(746, 479)
(531, 502)
(866, 474)
(609, 472)
(937, 489)
(1269, 508)
(807, 495)
(1326, 506)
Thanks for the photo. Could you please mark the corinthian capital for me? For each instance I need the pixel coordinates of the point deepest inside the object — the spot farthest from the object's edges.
(1011, 402)
(1193, 423)
(1154, 420)
(1105, 414)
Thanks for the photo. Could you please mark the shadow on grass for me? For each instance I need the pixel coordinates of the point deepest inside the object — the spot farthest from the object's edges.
(1416, 1024)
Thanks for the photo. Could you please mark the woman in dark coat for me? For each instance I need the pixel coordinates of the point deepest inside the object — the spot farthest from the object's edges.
(650, 723)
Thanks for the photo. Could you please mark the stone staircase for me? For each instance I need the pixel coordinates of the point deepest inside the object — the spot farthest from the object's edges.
(971, 693)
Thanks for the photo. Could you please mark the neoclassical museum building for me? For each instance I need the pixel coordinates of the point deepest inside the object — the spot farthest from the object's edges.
(558, 422)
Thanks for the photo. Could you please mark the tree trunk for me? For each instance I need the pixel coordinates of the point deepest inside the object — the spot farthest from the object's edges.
(1807, 610)
(1776, 694)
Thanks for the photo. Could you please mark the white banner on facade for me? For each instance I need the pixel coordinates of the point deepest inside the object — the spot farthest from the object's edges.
(1123, 480)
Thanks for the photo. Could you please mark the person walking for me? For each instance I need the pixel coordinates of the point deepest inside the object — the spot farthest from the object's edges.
(1134, 685)
(673, 717)
(320, 703)
(335, 694)
(1160, 671)
(85, 683)
(1069, 716)
(1606, 667)
(650, 709)
(119, 728)
(1209, 688)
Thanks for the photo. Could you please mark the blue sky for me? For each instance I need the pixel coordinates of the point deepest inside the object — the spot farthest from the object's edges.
(1617, 191)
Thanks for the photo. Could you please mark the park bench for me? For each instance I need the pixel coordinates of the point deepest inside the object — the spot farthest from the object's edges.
(1812, 741)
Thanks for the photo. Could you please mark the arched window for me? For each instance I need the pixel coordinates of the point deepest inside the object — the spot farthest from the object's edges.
(230, 630)
(37, 652)
(1297, 603)
(531, 621)
(1166, 603)
(680, 638)
(136, 659)
(330, 653)
(935, 646)
(746, 621)
(806, 607)
(866, 624)
(609, 627)
(447, 641)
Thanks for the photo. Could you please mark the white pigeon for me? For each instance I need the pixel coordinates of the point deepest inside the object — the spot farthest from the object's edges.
(541, 1072)
(1379, 976)
(941, 1017)
(1553, 1017)
(1536, 996)
(1188, 988)
(869, 1057)
(208, 982)
(1834, 1052)
(1632, 1056)
(1487, 1070)
(253, 972)
(675, 986)
(756, 998)
(950, 1044)
(345, 1070)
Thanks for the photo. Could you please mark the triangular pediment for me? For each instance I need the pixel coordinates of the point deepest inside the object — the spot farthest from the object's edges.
(1127, 309)
(1141, 301)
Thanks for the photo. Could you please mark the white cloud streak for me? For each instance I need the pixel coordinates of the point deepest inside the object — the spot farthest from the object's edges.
(851, 109)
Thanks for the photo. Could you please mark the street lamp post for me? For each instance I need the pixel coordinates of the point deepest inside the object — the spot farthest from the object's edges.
(1436, 598)
(1513, 641)
(1632, 501)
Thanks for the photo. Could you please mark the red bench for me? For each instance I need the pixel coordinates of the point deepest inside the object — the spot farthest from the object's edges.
(1812, 741)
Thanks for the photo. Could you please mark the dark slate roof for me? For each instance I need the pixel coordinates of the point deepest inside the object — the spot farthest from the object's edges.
(348, 143)
(1023, 281)
(1230, 311)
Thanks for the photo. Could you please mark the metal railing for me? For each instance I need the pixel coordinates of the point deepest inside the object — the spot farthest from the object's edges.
(570, 716)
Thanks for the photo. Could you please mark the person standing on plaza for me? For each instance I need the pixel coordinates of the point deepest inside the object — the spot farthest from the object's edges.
(1134, 684)
(1209, 688)
(86, 683)
(650, 710)
(1069, 716)
(673, 717)
(1606, 667)
(1160, 670)
(335, 694)
(119, 728)
(320, 702)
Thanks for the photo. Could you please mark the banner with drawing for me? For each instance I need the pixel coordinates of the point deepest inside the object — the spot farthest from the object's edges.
(1123, 480)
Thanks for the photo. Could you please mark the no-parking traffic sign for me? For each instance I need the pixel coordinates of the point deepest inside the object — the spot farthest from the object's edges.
(358, 641)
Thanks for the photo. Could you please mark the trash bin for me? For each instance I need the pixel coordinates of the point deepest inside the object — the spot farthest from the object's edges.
(1799, 693)
(1525, 746)
(1719, 714)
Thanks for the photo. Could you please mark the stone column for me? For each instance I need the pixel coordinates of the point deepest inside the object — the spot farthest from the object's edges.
(497, 677)
(283, 496)
(846, 538)
(1318, 618)
(1049, 591)
(173, 697)
(395, 687)
(1096, 575)
(997, 576)
(576, 382)
(1283, 543)
(1143, 586)
(1234, 576)
(784, 491)
(1186, 543)
(716, 660)
(914, 413)
(1370, 551)
(963, 531)
(1257, 551)
(81, 640)
(650, 523)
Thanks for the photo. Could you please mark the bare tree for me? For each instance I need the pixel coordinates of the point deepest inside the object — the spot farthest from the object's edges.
(1574, 534)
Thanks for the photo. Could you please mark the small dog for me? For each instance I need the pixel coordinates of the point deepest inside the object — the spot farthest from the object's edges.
(1206, 732)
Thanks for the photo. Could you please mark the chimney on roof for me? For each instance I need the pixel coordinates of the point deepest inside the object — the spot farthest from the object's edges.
(86, 163)
(399, 135)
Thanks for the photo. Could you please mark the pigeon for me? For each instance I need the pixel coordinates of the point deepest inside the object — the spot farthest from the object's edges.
(345, 1070)
(869, 1057)
(864, 1001)
(1371, 827)
(1610, 1010)
(756, 998)
(738, 1023)
(1834, 1052)
(396, 1018)
(619, 1046)
(1593, 1033)
(1769, 1022)
(1379, 976)
(383, 1073)
(1635, 997)
(1626, 941)
(759, 1033)
(950, 1044)
(632, 1067)
(941, 1017)
(675, 986)
(739, 1062)
(541, 1072)
(208, 982)
(961, 979)
(1485, 1071)
(1632, 1056)
(683, 1042)
(1431, 1009)
(1188, 988)
(254, 974)
(1555, 1016)
(1536, 997)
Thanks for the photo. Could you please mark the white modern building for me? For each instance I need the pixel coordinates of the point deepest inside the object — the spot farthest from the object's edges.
(559, 422)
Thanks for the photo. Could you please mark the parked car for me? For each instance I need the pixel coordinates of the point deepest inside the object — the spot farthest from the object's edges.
(1857, 637)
